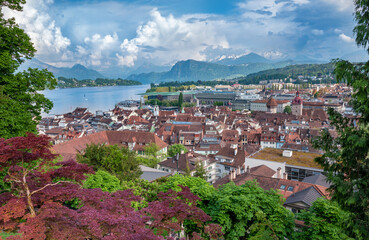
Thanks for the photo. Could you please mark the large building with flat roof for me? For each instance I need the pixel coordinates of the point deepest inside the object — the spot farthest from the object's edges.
(298, 166)
(261, 105)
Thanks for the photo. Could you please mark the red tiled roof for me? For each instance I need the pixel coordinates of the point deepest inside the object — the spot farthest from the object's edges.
(272, 103)
(74, 146)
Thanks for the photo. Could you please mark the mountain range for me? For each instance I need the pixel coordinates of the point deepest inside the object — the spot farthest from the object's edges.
(78, 71)
(191, 70)
(188, 70)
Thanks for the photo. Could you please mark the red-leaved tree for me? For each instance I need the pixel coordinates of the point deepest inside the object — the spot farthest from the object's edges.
(46, 201)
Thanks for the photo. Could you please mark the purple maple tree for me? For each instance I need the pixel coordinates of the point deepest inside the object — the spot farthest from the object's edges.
(46, 201)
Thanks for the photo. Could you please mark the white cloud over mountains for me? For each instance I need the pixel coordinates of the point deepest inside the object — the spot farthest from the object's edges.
(37, 23)
(169, 39)
(104, 34)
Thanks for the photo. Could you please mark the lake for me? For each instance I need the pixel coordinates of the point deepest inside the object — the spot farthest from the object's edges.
(94, 98)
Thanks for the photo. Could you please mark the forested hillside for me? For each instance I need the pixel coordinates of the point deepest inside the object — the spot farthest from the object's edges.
(99, 82)
(292, 71)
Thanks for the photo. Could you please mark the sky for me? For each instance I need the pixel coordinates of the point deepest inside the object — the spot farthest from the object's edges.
(126, 34)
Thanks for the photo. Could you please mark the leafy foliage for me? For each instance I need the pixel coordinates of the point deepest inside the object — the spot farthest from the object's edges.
(218, 103)
(146, 190)
(291, 71)
(119, 161)
(28, 161)
(41, 206)
(99, 82)
(200, 171)
(21, 103)
(287, 110)
(176, 148)
(324, 220)
(180, 100)
(346, 157)
(248, 211)
(103, 180)
(198, 186)
(150, 159)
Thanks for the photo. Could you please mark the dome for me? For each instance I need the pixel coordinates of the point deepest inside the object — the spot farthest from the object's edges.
(272, 103)
(297, 100)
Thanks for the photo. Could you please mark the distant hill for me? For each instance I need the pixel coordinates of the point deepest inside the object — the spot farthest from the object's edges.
(292, 71)
(148, 68)
(78, 71)
(245, 59)
(98, 82)
(191, 70)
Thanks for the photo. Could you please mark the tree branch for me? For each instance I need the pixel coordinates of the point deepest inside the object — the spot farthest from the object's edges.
(48, 185)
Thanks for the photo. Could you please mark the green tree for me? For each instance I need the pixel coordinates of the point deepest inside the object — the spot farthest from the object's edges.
(148, 191)
(200, 171)
(180, 101)
(119, 161)
(198, 186)
(103, 180)
(176, 148)
(249, 212)
(346, 158)
(152, 150)
(324, 220)
(150, 159)
(287, 109)
(21, 103)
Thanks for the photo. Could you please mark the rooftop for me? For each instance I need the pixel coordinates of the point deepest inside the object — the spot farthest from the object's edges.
(304, 159)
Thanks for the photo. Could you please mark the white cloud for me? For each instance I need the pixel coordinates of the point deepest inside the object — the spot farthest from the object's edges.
(256, 9)
(273, 54)
(98, 50)
(346, 38)
(341, 5)
(37, 23)
(168, 39)
(300, 2)
(317, 32)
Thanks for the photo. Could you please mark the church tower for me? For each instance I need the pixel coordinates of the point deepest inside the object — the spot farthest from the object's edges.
(156, 111)
(272, 105)
(297, 105)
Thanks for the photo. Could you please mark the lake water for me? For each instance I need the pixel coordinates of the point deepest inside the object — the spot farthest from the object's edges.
(93, 98)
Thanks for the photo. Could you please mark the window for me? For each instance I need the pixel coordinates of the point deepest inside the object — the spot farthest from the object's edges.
(290, 188)
(283, 187)
(227, 168)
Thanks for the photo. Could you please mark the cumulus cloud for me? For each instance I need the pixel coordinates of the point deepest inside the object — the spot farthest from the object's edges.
(341, 5)
(42, 29)
(99, 50)
(346, 38)
(168, 39)
(256, 9)
(317, 32)
(273, 54)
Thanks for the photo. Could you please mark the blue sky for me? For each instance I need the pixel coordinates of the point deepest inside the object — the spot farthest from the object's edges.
(125, 34)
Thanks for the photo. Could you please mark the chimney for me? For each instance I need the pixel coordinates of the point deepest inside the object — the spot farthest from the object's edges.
(284, 175)
(248, 169)
(279, 172)
(239, 170)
